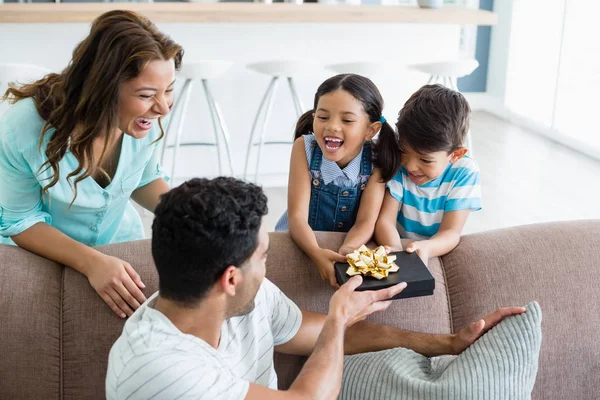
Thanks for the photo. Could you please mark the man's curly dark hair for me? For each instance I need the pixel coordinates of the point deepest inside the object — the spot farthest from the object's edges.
(200, 228)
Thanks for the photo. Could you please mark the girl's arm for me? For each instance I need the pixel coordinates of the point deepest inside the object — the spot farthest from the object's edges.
(298, 203)
(385, 229)
(446, 238)
(368, 211)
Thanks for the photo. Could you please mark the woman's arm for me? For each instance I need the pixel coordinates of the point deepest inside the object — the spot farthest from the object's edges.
(114, 280)
(368, 211)
(149, 196)
(298, 204)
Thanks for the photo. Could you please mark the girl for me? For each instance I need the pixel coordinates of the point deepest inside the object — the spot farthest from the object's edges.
(333, 162)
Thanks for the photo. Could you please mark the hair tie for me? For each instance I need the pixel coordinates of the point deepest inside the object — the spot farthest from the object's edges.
(382, 119)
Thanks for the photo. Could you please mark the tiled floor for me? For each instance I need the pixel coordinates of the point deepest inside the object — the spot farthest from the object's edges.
(525, 179)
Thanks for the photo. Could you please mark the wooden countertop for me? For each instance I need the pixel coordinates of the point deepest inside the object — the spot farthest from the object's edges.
(245, 12)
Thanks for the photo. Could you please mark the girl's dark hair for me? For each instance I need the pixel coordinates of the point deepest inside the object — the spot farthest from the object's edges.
(385, 149)
(435, 118)
(85, 94)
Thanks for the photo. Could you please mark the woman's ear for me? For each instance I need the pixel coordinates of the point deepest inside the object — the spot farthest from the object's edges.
(458, 154)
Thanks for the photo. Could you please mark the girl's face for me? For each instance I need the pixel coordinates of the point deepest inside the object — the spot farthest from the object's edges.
(426, 167)
(147, 97)
(341, 126)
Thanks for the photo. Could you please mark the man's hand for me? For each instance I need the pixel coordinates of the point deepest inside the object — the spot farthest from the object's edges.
(469, 334)
(351, 306)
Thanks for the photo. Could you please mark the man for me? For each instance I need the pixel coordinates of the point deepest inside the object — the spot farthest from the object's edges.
(210, 330)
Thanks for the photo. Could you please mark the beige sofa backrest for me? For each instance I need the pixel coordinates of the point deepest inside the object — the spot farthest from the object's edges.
(55, 332)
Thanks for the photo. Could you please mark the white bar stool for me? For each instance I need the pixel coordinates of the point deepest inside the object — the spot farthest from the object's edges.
(276, 69)
(364, 68)
(447, 73)
(19, 73)
(192, 72)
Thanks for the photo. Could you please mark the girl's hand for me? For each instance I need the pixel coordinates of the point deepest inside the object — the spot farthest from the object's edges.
(421, 248)
(347, 249)
(324, 260)
(117, 283)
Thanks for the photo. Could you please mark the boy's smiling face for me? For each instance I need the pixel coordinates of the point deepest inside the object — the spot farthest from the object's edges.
(426, 167)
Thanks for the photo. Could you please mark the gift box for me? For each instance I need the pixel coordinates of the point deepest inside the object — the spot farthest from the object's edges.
(419, 280)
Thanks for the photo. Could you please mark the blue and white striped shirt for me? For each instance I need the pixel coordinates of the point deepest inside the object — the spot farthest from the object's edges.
(422, 207)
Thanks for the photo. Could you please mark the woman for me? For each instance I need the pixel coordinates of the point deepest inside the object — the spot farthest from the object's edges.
(76, 146)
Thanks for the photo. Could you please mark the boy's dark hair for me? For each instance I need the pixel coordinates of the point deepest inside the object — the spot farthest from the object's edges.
(435, 118)
(385, 149)
(201, 228)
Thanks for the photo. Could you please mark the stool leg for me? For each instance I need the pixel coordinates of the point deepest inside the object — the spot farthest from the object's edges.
(185, 93)
(223, 127)
(215, 125)
(251, 141)
(432, 79)
(262, 132)
(173, 121)
(297, 101)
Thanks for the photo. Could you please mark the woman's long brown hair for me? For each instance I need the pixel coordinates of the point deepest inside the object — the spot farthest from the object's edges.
(81, 103)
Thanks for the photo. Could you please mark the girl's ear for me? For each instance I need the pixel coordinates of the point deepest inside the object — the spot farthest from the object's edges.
(458, 154)
(374, 128)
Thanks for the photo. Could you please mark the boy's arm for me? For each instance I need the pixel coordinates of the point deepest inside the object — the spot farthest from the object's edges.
(368, 211)
(446, 238)
(385, 229)
(298, 204)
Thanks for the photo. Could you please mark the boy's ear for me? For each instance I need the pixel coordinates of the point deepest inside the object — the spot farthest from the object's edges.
(230, 280)
(373, 129)
(458, 154)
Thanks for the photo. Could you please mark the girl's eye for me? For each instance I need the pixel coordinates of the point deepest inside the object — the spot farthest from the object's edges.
(348, 121)
(426, 161)
(322, 118)
(169, 90)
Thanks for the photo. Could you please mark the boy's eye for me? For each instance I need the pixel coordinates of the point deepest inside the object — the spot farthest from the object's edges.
(348, 121)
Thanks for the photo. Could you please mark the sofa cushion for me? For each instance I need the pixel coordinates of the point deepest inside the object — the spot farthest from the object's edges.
(556, 264)
(502, 364)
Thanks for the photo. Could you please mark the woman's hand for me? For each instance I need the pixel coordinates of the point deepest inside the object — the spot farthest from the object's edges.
(117, 283)
(324, 260)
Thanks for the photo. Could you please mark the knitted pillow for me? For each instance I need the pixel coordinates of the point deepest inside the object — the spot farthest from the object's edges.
(502, 364)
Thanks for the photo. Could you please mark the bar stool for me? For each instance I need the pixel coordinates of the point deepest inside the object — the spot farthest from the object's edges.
(192, 72)
(22, 73)
(364, 68)
(18, 73)
(276, 69)
(447, 73)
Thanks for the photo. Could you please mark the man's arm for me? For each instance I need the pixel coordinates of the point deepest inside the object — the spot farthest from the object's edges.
(359, 337)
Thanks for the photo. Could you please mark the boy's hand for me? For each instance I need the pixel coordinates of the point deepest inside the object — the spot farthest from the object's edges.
(324, 260)
(421, 248)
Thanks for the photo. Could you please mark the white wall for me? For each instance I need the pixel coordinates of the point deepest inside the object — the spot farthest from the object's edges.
(240, 90)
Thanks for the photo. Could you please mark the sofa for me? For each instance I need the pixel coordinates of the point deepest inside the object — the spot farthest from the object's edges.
(55, 332)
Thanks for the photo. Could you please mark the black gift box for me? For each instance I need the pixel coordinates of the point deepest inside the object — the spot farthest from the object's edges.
(419, 280)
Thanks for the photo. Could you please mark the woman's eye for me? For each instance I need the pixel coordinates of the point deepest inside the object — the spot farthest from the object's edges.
(145, 96)
(322, 118)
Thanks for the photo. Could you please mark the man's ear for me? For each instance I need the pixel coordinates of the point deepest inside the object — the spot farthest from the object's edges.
(230, 280)
(374, 128)
(458, 154)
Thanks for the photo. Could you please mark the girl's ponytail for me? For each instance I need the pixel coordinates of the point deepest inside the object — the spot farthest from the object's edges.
(304, 126)
(386, 151)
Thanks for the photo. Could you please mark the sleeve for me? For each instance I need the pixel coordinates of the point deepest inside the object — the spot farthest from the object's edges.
(465, 192)
(21, 194)
(286, 317)
(396, 187)
(153, 169)
(175, 377)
